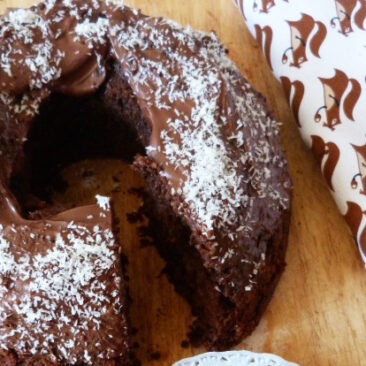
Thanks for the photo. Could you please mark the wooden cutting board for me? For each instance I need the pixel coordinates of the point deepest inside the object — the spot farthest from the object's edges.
(318, 313)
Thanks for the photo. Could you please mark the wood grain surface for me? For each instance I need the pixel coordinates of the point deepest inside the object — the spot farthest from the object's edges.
(317, 315)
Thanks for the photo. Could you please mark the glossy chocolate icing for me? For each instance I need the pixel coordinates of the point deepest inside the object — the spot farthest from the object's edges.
(215, 144)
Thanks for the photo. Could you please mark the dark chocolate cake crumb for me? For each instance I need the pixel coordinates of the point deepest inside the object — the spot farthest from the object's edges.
(155, 356)
(135, 217)
(184, 343)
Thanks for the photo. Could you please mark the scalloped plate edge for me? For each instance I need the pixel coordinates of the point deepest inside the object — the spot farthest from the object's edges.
(234, 358)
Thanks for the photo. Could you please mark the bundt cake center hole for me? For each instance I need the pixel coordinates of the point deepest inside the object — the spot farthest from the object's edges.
(66, 130)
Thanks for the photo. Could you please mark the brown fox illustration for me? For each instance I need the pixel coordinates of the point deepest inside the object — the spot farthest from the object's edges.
(344, 10)
(334, 98)
(301, 41)
(297, 97)
(354, 217)
(328, 151)
(264, 37)
(240, 4)
(266, 5)
(361, 158)
(360, 15)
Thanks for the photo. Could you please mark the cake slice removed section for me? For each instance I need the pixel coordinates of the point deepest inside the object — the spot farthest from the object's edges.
(61, 288)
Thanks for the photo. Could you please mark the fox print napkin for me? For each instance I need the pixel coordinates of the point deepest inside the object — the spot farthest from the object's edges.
(317, 50)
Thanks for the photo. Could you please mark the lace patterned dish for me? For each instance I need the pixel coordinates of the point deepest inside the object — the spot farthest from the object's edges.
(234, 358)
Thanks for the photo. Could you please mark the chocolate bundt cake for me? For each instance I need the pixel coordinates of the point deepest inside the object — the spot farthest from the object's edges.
(82, 79)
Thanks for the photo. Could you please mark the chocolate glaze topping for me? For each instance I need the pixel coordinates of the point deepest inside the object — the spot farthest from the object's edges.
(217, 149)
(60, 287)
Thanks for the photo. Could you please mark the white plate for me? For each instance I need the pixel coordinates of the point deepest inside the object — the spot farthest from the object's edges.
(234, 358)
